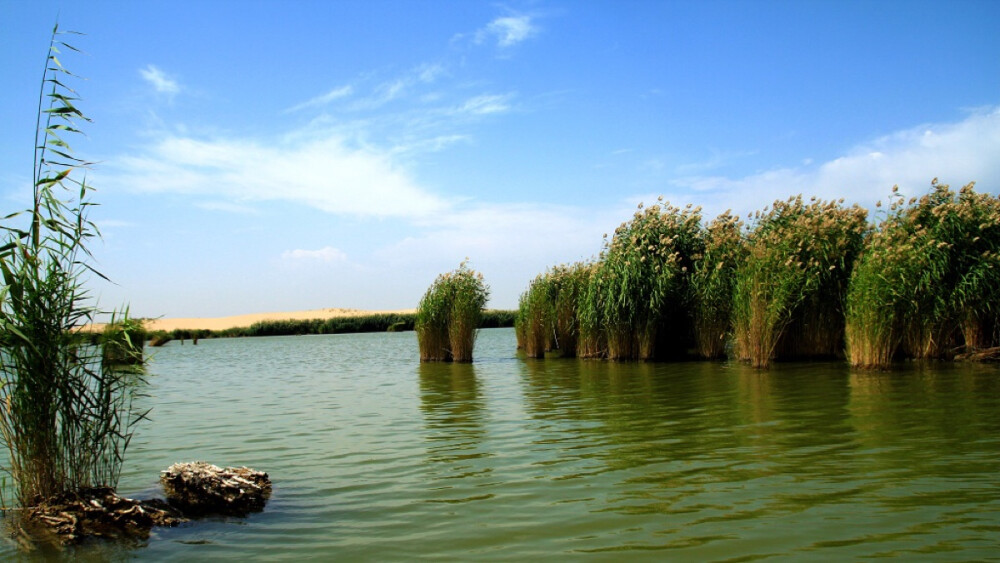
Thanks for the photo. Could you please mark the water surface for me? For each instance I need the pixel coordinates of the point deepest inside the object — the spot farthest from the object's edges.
(377, 457)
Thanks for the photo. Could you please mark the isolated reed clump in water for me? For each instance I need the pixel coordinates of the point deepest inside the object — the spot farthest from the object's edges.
(928, 281)
(788, 291)
(449, 315)
(66, 417)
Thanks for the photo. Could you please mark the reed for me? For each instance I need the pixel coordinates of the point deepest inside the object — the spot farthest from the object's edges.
(643, 286)
(548, 311)
(122, 342)
(712, 284)
(66, 417)
(570, 282)
(798, 260)
(469, 297)
(449, 315)
(928, 281)
(591, 337)
(432, 322)
(534, 319)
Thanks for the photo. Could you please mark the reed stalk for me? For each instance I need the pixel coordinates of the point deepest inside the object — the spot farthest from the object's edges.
(66, 417)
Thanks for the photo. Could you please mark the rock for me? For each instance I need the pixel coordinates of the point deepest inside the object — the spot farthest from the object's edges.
(198, 488)
(99, 511)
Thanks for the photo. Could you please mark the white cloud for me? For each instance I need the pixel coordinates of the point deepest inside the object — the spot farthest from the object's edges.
(486, 104)
(429, 145)
(956, 153)
(159, 79)
(400, 87)
(507, 30)
(322, 100)
(429, 73)
(324, 173)
(325, 254)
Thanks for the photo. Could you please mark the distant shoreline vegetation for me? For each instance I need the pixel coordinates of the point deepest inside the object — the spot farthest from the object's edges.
(387, 322)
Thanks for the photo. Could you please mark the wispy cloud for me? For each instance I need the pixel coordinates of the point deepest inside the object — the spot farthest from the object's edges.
(507, 31)
(486, 104)
(429, 73)
(325, 254)
(322, 100)
(403, 86)
(325, 173)
(954, 152)
(159, 80)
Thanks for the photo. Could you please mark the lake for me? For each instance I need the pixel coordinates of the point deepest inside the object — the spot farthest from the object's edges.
(375, 456)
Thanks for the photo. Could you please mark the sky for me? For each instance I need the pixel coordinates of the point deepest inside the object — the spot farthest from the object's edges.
(257, 156)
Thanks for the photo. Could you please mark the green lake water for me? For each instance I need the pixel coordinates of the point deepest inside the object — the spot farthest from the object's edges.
(375, 456)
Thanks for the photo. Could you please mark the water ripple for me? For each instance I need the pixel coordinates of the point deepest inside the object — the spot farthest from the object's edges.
(377, 457)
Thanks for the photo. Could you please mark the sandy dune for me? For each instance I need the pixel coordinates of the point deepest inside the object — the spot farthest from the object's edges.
(222, 323)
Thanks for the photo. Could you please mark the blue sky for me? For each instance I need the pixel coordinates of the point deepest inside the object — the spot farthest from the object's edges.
(265, 156)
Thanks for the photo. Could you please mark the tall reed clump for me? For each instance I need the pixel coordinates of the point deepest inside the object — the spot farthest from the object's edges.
(712, 284)
(449, 314)
(591, 339)
(570, 282)
(928, 280)
(547, 312)
(534, 317)
(641, 284)
(65, 418)
(798, 262)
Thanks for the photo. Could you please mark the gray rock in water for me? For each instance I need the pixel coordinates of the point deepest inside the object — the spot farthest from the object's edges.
(202, 488)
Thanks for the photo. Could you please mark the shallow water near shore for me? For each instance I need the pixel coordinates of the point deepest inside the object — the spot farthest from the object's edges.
(375, 456)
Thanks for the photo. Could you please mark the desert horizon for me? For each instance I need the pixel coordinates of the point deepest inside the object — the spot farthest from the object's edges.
(239, 321)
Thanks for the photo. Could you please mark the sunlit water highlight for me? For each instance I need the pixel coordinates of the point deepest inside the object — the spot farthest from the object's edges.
(377, 457)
